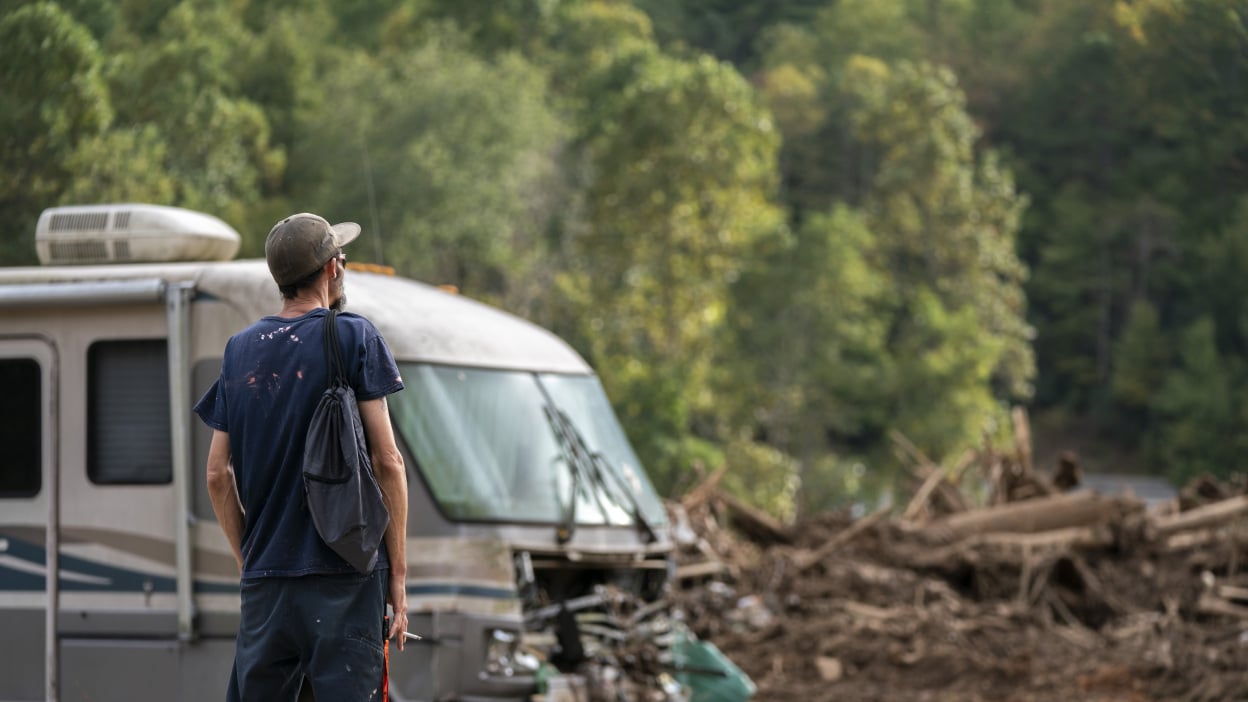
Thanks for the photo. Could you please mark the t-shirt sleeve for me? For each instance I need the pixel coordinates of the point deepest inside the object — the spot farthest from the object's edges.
(211, 407)
(377, 373)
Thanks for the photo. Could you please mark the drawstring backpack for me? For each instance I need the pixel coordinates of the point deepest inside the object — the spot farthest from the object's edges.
(343, 494)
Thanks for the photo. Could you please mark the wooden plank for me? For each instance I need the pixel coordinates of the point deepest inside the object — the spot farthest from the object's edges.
(1214, 605)
(700, 570)
(1205, 516)
(1040, 514)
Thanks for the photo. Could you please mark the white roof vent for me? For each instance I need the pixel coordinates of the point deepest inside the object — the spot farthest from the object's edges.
(131, 233)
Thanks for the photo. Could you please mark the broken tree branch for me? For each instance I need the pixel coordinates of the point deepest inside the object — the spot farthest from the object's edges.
(1210, 515)
(1039, 514)
(807, 561)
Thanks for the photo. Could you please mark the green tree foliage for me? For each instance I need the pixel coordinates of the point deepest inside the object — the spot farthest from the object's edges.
(1122, 121)
(1126, 134)
(1201, 417)
(724, 28)
(442, 155)
(944, 221)
(99, 16)
(680, 158)
(120, 165)
(184, 83)
(910, 297)
(52, 98)
(279, 69)
(501, 25)
(1221, 258)
(808, 360)
(779, 230)
(1140, 358)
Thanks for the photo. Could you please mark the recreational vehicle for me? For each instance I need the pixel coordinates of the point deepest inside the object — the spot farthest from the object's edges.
(527, 503)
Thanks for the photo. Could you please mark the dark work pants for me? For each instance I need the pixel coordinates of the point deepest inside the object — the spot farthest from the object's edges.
(326, 627)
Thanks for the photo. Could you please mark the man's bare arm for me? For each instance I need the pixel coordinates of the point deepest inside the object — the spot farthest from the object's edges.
(224, 493)
(392, 477)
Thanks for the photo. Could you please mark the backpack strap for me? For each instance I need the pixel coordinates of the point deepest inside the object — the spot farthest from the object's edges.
(333, 351)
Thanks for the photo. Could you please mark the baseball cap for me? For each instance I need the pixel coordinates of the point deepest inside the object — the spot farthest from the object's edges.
(301, 243)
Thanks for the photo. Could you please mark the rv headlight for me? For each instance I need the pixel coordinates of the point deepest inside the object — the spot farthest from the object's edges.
(503, 656)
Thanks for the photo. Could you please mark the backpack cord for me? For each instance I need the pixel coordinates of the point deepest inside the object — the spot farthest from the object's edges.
(333, 351)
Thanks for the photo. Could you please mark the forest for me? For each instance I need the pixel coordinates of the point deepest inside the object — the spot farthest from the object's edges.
(784, 232)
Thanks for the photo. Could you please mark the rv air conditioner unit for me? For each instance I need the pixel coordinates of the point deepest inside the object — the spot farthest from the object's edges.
(131, 233)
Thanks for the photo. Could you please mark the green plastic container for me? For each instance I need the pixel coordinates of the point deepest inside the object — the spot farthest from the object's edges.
(707, 673)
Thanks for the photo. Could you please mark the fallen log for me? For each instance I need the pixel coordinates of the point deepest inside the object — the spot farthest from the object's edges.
(1216, 606)
(1232, 593)
(1086, 537)
(1039, 514)
(1200, 538)
(1209, 515)
(700, 570)
(1016, 549)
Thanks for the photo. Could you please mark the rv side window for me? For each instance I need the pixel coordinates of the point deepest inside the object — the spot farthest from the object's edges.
(20, 427)
(128, 413)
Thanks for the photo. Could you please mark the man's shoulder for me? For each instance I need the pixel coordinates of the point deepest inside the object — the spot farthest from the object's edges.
(360, 322)
(355, 317)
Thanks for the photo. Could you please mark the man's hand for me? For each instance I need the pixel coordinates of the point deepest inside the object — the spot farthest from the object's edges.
(397, 598)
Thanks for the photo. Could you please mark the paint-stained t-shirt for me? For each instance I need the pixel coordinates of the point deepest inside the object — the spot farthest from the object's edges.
(272, 375)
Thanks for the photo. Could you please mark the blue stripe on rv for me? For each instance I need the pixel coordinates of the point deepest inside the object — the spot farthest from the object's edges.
(493, 593)
(115, 579)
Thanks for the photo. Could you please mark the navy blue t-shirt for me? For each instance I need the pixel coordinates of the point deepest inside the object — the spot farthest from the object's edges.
(272, 375)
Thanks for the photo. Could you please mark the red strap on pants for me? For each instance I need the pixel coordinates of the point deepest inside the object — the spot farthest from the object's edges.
(385, 662)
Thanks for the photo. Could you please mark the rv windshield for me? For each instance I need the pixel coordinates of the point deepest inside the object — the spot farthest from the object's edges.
(489, 452)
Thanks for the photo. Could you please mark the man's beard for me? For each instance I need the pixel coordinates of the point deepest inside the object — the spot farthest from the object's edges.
(340, 301)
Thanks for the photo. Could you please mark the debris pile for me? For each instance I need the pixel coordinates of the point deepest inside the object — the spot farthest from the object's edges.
(1046, 592)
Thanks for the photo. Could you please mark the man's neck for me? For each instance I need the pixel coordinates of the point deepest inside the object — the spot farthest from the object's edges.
(307, 300)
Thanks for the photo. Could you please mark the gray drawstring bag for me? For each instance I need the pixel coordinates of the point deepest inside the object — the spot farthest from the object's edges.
(342, 492)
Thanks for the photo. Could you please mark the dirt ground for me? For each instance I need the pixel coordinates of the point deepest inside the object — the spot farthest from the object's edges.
(903, 610)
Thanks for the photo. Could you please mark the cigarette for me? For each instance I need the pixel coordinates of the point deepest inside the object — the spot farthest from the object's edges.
(410, 635)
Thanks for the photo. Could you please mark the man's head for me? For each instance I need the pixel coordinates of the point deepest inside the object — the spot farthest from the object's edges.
(299, 246)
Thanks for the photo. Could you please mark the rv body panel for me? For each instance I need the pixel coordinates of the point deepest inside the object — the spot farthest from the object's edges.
(28, 580)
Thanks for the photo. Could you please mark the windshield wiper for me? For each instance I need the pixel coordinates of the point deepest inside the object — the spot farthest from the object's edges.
(579, 463)
(592, 465)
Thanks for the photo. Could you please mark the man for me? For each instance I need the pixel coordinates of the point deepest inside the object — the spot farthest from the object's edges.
(305, 610)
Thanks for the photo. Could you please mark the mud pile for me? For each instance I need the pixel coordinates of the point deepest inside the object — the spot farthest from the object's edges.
(1046, 593)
